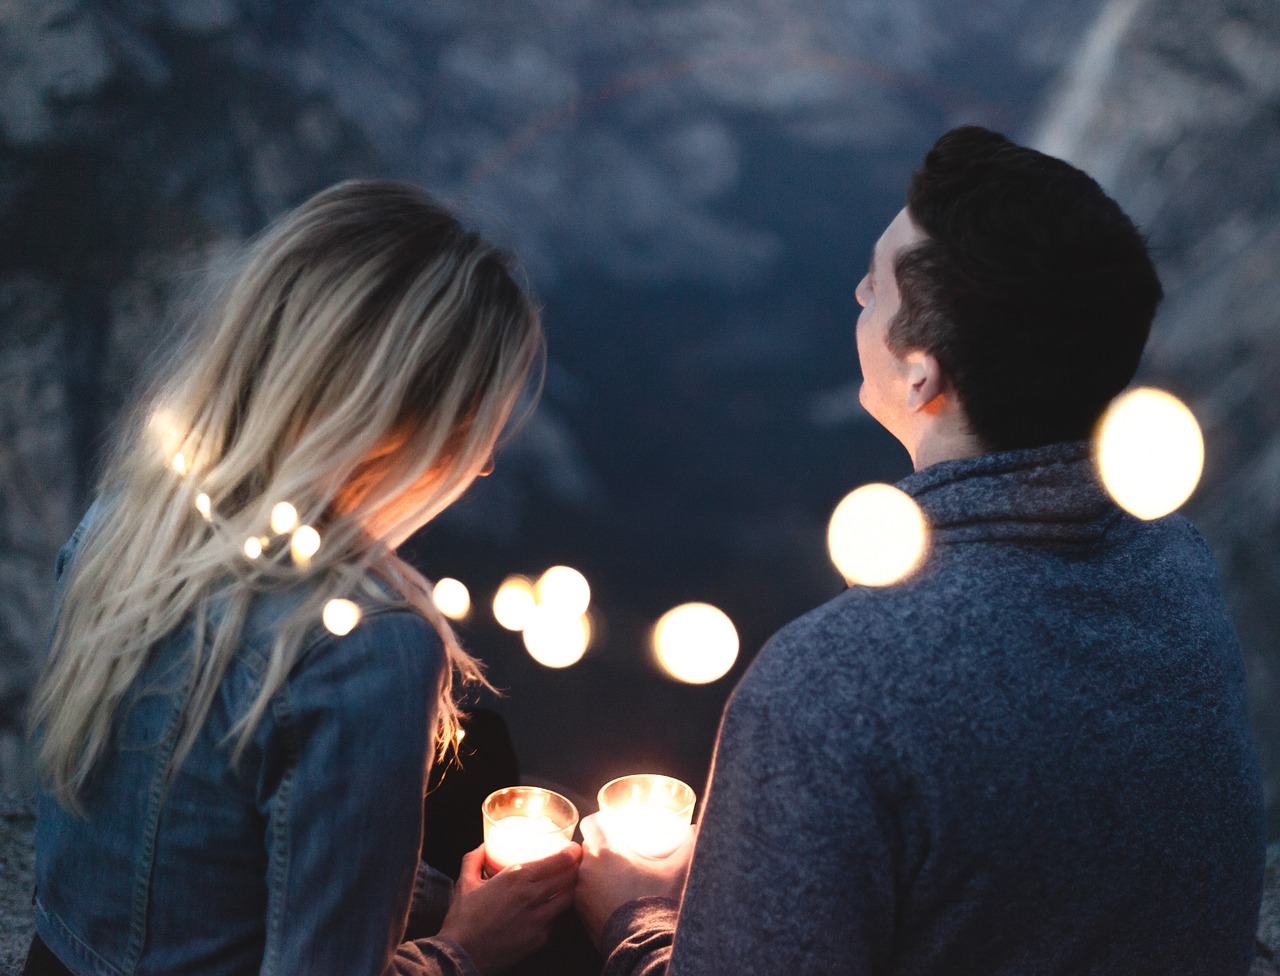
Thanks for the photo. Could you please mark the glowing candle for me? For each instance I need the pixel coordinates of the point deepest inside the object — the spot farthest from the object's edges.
(647, 813)
(525, 823)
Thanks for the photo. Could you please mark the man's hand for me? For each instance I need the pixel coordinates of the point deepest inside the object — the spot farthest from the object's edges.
(610, 877)
(500, 920)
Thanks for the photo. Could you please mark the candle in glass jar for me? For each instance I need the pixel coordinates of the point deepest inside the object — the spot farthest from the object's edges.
(649, 814)
(525, 823)
(517, 840)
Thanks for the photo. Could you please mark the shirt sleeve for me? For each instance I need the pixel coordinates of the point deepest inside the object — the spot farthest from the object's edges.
(351, 746)
(794, 866)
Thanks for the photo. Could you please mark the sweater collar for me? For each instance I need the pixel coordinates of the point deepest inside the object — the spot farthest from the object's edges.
(1049, 493)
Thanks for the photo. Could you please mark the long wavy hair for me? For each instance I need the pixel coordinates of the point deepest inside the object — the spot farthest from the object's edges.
(360, 367)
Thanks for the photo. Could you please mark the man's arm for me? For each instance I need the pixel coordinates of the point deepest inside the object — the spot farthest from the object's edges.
(794, 866)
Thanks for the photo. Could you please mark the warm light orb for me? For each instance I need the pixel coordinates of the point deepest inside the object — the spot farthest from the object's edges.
(252, 547)
(204, 506)
(340, 616)
(303, 544)
(554, 639)
(284, 518)
(565, 590)
(179, 463)
(514, 603)
(1150, 452)
(696, 643)
(877, 535)
(452, 598)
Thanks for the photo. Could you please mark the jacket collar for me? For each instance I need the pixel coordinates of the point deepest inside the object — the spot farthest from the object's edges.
(1049, 493)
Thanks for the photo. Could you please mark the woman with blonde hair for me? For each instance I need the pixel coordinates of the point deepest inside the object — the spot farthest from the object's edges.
(246, 686)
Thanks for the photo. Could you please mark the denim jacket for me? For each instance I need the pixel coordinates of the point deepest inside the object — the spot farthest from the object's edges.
(300, 858)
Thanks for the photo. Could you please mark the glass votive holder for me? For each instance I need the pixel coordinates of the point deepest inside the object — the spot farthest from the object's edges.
(646, 812)
(525, 823)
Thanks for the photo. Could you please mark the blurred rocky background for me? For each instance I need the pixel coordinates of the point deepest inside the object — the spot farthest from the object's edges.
(694, 187)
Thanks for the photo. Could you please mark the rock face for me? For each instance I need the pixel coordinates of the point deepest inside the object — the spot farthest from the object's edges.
(1173, 105)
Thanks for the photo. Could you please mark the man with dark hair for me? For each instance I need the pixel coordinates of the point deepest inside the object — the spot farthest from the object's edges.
(1031, 756)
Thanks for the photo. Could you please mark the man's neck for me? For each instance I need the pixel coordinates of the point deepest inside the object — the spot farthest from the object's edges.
(938, 444)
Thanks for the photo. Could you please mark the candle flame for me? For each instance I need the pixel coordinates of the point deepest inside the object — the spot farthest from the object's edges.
(452, 598)
(340, 616)
(284, 518)
(303, 544)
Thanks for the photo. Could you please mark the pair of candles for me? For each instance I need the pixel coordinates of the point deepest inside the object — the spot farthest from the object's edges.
(647, 813)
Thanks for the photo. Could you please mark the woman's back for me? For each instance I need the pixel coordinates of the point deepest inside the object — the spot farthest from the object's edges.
(297, 858)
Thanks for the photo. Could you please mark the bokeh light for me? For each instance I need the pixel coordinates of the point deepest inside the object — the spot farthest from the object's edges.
(303, 544)
(877, 535)
(514, 603)
(696, 643)
(252, 547)
(452, 598)
(179, 463)
(340, 616)
(555, 639)
(204, 506)
(1150, 452)
(284, 518)
(564, 590)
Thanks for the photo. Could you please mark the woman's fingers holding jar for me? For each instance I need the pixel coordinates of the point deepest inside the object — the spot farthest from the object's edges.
(500, 920)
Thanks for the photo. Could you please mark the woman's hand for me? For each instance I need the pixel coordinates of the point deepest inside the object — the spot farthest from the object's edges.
(610, 877)
(500, 920)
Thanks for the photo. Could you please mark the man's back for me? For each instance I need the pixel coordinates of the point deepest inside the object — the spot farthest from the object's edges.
(1032, 757)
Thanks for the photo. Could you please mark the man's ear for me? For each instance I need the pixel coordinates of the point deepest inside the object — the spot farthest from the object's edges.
(927, 384)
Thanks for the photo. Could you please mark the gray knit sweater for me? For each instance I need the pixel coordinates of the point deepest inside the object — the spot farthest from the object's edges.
(1031, 758)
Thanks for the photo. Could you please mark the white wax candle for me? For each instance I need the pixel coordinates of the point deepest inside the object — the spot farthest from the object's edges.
(518, 840)
(650, 831)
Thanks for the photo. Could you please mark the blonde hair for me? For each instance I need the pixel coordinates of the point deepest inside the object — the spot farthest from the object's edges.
(361, 367)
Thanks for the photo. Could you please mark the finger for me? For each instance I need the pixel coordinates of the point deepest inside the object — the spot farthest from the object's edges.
(556, 904)
(562, 862)
(592, 834)
(470, 871)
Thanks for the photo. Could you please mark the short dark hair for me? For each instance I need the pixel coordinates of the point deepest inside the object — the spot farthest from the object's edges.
(1032, 288)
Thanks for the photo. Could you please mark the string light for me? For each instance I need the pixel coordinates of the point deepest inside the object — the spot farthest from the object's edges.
(554, 639)
(452, 598)
(284, 518)
(253, 547)
(877, 535)
(565, 590)
(303, 544)
(204, 506)
(340, 616)
(179, 463)
(696, 643)
(1150, 452)
(514, 603)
